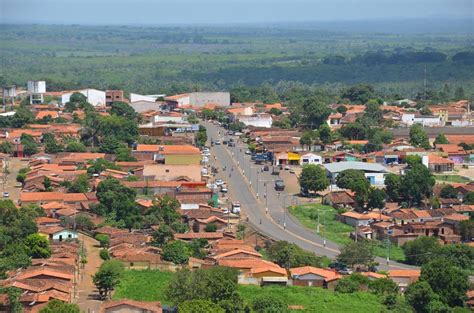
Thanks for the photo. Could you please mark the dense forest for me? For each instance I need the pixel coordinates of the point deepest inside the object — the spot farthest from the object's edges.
(175, 59)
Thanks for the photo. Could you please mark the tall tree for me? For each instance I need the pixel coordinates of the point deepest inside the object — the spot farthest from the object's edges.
(441, 139)
(107, 277)
(313, 178)
(356, 253)
(418, 137)
(417, 184)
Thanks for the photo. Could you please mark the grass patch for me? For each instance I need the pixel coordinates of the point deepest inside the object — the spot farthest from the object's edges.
(307, 214)
(452, 178)
(144, 285)
(316, 299)
(150, 285)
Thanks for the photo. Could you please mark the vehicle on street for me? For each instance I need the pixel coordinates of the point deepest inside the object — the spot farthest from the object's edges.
(225, 210)
(205, 150)
(204, 171)
(217, 142)
(345, 271)
(224, 189)
(6, 194)
(230, 133)
(279, 185)
(237, 134)
(219, 182)
(248, 152)
(205, 159)
(292, 171)
(224, 142)
(231, 144)
(287, 168)
(236, 207)
(212, 186)
(275, 170)
(266, 168)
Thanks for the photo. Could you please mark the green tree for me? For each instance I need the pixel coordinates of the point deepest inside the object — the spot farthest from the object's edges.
(22, 117)
(412, 160)
(419, 295)
(176, 252)
(124, 154)
(448, 192)
(162, 235)
(201, 136)
(30, 146)
(441, 139)
(6, 147)
(392, 186)
(104, 254)
(447, 280)
(417, 184)
(307, 139)
(345, 285)
(460, 255)
(459, 94)
(358, 253)
(469, 198)
(103, 239)
(107, 277)
(359, 93)
(38, 246)
(313, 178)
(80, 184)
(356, 181)
(466, 230)
(210, 227)
(316, 112)
(57, 306)
(418, 137)
(421, 250)
(325, 134)
(376, 199)
(51, 145)
(123, 109)
(199, 306)
(383, 286)
(73, 145)
(269, 304)
(290, 255)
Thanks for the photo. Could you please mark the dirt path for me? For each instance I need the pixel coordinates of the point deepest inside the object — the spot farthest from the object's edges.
(87, 295)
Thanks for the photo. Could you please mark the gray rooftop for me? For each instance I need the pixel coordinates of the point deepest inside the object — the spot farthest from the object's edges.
(353, 165)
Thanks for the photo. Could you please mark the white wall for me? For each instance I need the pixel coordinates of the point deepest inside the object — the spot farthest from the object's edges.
(311, 159)
(256, 121)
(65, 235)
(94, 96)
(137, 97)
(165, 119)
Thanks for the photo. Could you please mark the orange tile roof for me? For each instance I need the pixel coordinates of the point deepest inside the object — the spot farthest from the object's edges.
(457, 217)
(434, 159)
(209, 235)
(270, 268)
(177, 97)
(404, 273)
(457, 139)
(328, 275)
(42, 114)
(43, 271)
(41, 196)
(169, 149)
(74, 197)
(356, 215)
(150, 307)
(450, 148)
(247, 263)
(373, 275)
(237, 251)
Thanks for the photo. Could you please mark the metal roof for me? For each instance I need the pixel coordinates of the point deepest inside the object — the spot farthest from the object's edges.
(353, 165)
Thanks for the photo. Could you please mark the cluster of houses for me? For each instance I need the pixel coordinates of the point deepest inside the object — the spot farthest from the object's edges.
(175, 168)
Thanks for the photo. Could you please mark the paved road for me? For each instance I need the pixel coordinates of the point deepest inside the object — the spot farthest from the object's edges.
(276, 223)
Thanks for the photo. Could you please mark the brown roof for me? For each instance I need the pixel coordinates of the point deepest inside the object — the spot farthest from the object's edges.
(404, 273)
(149, 307)
(340, 197)
(168, 149)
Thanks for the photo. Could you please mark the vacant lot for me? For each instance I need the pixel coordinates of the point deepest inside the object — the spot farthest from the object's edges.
(150, 285)
(333, 230)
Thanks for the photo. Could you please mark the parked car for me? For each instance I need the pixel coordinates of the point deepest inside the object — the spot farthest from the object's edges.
(337, 265)
(224, 142)
(345, 271)
(248, 152)
(217, 142)
(211, 186)
(231, 144)
(238, 134)
(6, 194)
(219, 182)
(287, 167)
(236, 207)
(292, 171)
(230, 133)
(266, 168)
(279, 185)
(224, 188)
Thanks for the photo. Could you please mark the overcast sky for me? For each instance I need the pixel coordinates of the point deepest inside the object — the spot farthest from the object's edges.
(224, 11)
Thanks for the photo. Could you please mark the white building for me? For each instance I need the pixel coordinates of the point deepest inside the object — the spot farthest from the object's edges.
(259, 120)
(94, 96)
(141, 106)
(169, 118)
(425, 120)
(311, 158)
(199, 99)
(375, 173)
(134, 97)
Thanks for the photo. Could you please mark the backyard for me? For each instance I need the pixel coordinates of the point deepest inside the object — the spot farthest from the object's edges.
(333, 230)
(150, 285)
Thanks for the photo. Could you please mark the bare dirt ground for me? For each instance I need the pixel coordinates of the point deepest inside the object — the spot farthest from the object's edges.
(87, 294)
(14, 166)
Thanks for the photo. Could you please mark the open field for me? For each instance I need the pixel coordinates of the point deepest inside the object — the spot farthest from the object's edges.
(334, 230)
(149, 285)
(452, 178)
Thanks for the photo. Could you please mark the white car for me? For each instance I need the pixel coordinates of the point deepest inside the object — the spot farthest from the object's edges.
(6, 194)
(212, 186)
(205, 150)
(224, 188)
(248, 152)
(219, 182)
(237, 134)
(206, 154)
